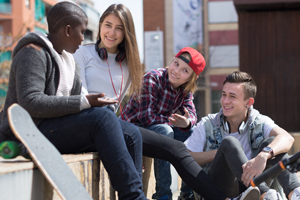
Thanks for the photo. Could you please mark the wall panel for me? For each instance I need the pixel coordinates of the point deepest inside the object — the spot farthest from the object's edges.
(269, 51)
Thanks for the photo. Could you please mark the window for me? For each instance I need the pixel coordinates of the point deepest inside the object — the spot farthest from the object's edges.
(88, 36)
(27, 4)
(199, 101)
(224, 56)
(221, 12)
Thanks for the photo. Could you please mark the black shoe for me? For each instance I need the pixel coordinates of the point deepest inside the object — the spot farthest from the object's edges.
(187, 197)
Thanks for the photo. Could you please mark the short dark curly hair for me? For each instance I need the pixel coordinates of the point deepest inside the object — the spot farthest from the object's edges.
(63, 14)
(244, 78)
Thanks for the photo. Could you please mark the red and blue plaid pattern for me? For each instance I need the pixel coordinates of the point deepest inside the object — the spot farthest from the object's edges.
(158, 101)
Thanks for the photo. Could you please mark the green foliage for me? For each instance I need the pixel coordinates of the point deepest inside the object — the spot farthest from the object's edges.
(4, 69)
(4, 75)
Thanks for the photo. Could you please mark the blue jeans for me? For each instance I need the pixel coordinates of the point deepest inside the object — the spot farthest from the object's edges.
(118, 143)
(162, 168)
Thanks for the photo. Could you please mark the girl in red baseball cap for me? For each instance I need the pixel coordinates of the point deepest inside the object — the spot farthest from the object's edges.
(166, 106)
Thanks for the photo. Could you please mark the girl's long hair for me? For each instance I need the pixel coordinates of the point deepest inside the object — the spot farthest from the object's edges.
(128, 45)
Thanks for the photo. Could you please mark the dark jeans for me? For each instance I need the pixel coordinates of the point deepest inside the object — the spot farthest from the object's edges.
(118, 143)
(159, 146)
(226, 170)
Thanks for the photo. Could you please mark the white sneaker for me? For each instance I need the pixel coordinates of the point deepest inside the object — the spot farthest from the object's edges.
(272, 195)
(296, 194)
(252, 193)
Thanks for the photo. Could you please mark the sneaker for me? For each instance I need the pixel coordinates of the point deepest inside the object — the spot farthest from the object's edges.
(252, 193)
(296, 194)
(272, 195)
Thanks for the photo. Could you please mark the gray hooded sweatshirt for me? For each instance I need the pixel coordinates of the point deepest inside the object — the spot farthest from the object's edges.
(33, 82)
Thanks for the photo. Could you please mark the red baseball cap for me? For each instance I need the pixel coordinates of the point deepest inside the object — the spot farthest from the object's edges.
(197, 62)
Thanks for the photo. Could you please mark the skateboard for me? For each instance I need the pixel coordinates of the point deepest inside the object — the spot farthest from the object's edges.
(45, 155)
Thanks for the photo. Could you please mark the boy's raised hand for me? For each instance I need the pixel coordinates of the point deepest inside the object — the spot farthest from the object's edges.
(179, 120)
(96, 100)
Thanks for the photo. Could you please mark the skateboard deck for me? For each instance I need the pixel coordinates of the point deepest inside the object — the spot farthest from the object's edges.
(45, 155)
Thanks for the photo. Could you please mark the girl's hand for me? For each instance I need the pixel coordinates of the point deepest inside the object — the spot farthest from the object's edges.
(96, 100)
(179, 120)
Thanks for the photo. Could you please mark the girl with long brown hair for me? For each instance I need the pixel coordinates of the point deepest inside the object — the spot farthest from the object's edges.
(112, 65)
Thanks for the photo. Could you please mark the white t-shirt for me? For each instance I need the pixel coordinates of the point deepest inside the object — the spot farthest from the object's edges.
(66, 66)
(197, 140)
(95, 73)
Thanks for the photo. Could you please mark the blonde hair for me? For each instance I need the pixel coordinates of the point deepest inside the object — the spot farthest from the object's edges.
(191, 85)
(128, 45)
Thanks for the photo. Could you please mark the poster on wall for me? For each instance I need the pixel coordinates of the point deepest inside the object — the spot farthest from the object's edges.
(154, 52)
(187, 24)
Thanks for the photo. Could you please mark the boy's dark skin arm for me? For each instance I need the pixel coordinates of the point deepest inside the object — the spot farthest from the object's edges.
(30, 84)
(96, 100)
(29, 75)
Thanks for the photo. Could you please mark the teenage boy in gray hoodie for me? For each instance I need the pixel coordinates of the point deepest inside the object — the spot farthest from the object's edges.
(239, 143)
(45, 80)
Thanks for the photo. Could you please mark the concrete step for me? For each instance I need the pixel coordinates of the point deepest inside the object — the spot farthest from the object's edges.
(20, 179)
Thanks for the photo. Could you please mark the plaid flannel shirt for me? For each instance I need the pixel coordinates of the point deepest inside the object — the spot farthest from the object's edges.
(158, 101)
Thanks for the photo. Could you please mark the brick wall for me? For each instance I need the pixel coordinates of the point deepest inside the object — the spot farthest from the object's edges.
(154, 17)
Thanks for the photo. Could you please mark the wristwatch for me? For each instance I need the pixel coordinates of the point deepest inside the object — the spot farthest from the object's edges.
(268, 150)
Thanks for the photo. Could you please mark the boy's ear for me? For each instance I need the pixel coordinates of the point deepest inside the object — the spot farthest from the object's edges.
(250, 102)
(67, 30)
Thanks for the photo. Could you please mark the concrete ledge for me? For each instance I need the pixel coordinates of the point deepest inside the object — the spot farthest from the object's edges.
(20, 179)
(296, 146)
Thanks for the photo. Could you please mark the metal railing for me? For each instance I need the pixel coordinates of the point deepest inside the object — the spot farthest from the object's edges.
(5, 8)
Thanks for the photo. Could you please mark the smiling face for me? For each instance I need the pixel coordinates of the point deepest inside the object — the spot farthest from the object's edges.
(76, 36)
(179, 72)
(111, 33)
(233, 102)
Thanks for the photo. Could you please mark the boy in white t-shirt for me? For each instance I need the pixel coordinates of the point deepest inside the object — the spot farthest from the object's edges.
(238, 143)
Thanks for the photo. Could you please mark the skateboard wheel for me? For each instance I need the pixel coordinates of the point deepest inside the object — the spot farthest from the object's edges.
(9, 149)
